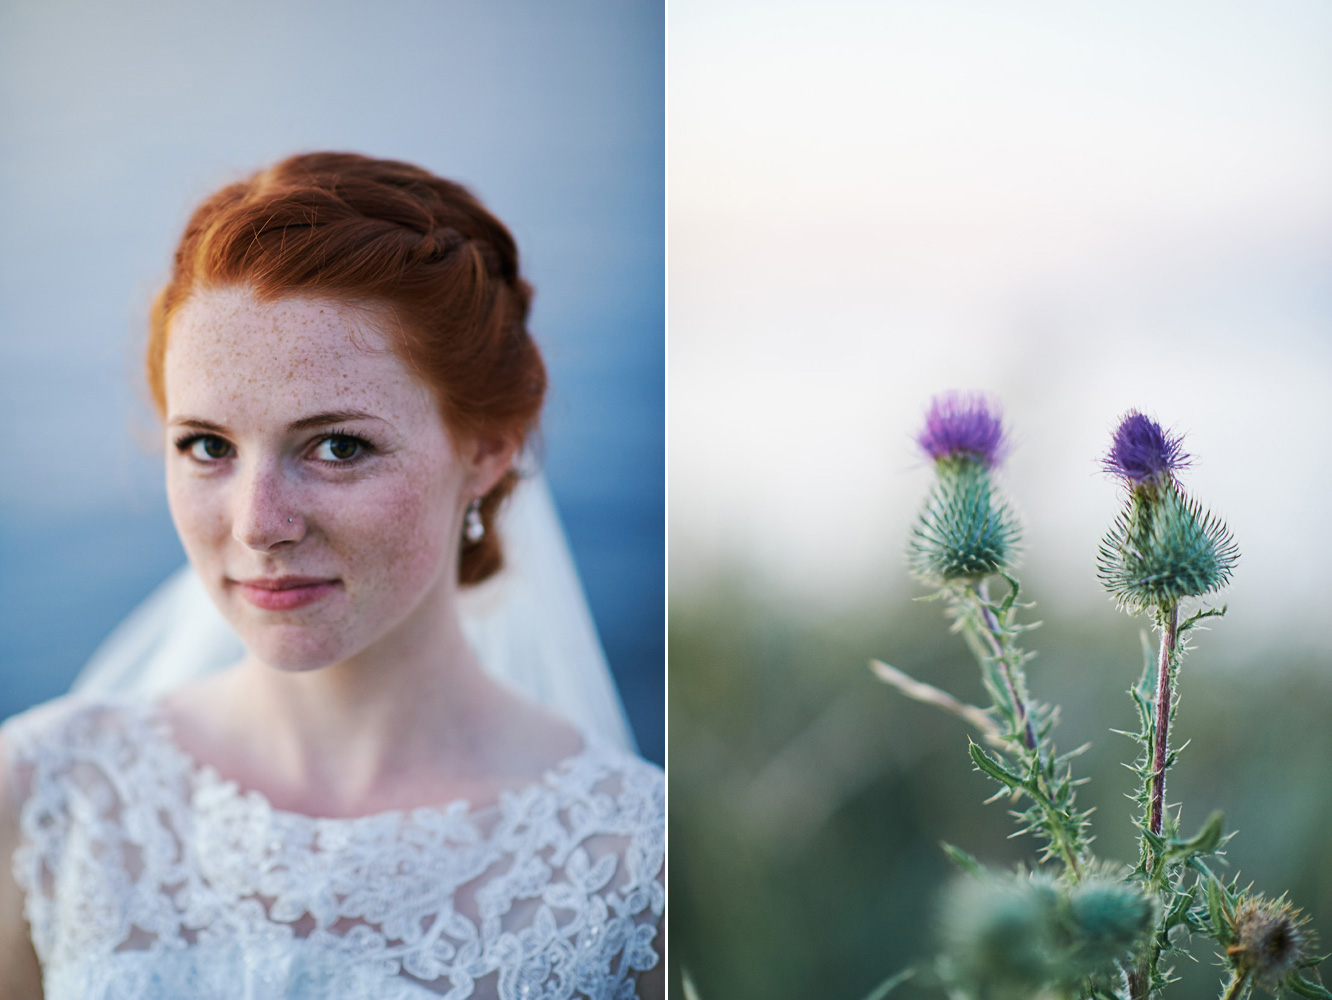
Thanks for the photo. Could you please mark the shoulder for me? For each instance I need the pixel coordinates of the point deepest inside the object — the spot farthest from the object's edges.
(64, 749)
(61, 714)
(74, 769)
(23, 739)
(614, 805)
(605, 791)
(66, 727)
(616, 801)
(632, 782)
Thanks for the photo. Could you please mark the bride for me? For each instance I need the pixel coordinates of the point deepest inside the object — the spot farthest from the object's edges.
(356, 809)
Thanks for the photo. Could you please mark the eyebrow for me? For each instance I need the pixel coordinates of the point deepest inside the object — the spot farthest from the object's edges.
(305, 423)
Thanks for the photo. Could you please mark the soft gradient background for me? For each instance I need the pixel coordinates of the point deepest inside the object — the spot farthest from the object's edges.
(116, 118)
(1079, 207)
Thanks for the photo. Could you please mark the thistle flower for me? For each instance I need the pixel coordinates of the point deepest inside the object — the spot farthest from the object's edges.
(1143, 454)
(964, 532)
(1163, 546)
(1271, 939)
(963, 425)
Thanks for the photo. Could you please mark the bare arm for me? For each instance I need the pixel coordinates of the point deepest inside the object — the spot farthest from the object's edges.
(652, 984)
(20, 975)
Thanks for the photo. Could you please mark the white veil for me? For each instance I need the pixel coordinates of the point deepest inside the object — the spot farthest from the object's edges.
(529, 625)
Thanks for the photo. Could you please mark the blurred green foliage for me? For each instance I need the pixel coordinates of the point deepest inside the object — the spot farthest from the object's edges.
(808, 799)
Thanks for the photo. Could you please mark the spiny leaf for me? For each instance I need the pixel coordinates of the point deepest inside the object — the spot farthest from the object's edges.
(1199, 615)
(1206, 841)
(962, 859)
(1178, 911)
(993, 767)
(1298, 984)
(1217, 912)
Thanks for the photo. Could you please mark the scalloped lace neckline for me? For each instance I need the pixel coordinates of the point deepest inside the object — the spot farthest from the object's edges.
(206, 779)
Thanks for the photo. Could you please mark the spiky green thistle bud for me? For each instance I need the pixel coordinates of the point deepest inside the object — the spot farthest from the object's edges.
(1108, 919)
(964, 532)
(1000, 935)
(1163, 546)
(1018, 935)
(1271, 939)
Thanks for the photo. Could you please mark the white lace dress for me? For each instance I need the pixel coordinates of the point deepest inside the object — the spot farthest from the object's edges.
(147, 876)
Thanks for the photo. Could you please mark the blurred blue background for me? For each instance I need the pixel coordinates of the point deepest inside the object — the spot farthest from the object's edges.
(115, 119)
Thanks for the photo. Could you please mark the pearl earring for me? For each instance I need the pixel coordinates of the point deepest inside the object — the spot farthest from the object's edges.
(474, 529)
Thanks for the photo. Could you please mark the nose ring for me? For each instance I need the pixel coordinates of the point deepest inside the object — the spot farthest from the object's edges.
(290, 519)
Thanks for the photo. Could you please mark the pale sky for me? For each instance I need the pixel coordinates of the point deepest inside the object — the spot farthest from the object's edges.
(1079, 207)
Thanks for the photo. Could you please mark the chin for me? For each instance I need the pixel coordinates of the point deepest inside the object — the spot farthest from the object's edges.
(294, 648)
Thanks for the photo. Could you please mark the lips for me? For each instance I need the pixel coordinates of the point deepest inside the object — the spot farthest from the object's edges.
(284, 593)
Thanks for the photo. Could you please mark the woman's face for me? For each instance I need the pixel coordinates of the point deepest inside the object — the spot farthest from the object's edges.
(310, 475)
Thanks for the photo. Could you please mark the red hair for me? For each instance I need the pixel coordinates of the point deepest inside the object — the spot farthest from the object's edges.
(355, 229)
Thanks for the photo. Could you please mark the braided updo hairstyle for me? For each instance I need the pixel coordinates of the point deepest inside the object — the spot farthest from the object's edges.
(363, 231)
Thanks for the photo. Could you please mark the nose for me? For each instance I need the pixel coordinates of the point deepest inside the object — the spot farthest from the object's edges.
(265, 512)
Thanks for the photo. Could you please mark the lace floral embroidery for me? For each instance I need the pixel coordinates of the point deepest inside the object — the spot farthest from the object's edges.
(147, 876)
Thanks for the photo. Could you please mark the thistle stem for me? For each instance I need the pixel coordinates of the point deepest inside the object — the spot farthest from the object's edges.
(1169, 636)
(1001, 648)
(1237, 987)
(1141, 978)
(995, 634)
(1137, 978)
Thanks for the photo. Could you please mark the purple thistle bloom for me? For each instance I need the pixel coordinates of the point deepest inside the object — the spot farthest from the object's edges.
(1143, 453)
(963, 424)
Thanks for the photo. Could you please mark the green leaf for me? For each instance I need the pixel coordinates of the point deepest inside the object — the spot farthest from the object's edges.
(1154, 840)
(1207, 840)
(1298, 984)
(1147, 682)
(938, 595)
(962, 859)
(1216, 912)
(1178, 912)
(1199, 615)
(993, 767)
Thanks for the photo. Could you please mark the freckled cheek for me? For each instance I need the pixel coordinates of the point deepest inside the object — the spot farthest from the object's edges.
(400, 541)
(198, 508)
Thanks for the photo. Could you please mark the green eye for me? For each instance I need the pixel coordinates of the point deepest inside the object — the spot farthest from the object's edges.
(343, 447)
(205, 447)
(339, 448)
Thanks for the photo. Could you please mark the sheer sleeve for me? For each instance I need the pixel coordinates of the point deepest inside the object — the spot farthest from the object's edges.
(20, 973)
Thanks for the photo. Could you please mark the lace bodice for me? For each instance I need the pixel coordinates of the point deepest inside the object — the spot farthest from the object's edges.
(148, 876)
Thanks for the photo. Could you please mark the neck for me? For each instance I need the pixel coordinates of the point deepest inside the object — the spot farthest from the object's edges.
(358, 727)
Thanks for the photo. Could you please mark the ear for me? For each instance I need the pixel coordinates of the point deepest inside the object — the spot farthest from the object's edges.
(488, 459)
